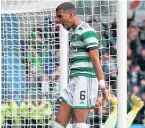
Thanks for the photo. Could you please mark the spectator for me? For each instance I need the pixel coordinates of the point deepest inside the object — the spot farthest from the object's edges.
(35, 37)
(34, 83)
(143, 95)
(25, 113)
(135, 91)
(48, 114)
(141, 60)
(94, 23)
(142, 86)
(36, 60)
(129, 63)
(45, 84)
(56, 77)
(130, 56)
(3, 113)
(110, 68)
(48, 66)
(132, 35)
(41, 112)
(104, 43)
(11, 113)
(23, 50)
(112, 40)
(56, 72)
(36, 111)
(113, 50)
(142, 34)
(113, 29)
(134, 76)
(130, 21)
(57, 57)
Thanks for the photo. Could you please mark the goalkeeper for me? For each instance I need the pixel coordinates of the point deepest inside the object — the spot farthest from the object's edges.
(137, 105)
(85, 70)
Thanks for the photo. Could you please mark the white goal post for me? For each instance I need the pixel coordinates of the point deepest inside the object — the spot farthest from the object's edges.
(122, 63)
(21, 17)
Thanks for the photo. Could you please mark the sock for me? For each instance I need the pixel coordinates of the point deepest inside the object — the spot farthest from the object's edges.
(111, 121)
(131, 116)
(57, 125)
(80, 125)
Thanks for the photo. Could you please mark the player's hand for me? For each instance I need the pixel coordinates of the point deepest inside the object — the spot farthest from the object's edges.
(104, 100)
(105, 96)
(99, 102)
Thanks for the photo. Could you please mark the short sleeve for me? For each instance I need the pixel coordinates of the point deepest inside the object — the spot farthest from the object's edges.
(90, 38)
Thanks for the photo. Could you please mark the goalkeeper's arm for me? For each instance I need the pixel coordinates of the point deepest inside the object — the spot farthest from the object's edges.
(137, 105)
(111, 121)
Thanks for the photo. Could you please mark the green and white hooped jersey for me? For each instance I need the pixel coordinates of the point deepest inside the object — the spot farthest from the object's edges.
(83, 39)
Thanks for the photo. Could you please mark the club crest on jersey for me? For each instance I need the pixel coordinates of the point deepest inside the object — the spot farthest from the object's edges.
(75, 37)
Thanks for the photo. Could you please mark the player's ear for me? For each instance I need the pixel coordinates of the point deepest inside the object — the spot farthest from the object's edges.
(71, 15)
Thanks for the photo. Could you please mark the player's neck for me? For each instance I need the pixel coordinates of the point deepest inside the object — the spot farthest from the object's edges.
(77, 22)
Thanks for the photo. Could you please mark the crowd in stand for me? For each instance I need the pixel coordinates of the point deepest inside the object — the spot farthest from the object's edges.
(33, 112)
(136, 64)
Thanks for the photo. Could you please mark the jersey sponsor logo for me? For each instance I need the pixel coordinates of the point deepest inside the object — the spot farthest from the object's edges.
(73, 50)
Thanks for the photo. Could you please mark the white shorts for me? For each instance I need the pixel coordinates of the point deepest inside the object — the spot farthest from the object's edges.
(81, 92)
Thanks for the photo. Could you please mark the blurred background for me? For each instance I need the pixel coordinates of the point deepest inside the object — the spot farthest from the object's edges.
(136, 55)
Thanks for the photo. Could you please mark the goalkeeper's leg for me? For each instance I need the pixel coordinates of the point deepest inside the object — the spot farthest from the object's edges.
(111, 121)
(137, 105)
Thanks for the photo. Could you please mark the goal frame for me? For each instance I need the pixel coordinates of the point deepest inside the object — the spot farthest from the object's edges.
(122, 63)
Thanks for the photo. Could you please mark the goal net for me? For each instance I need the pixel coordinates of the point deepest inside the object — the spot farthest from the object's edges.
(30, 50)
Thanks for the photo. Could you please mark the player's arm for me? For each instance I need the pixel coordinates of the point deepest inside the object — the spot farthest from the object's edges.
(90, 39)
(94, 55)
